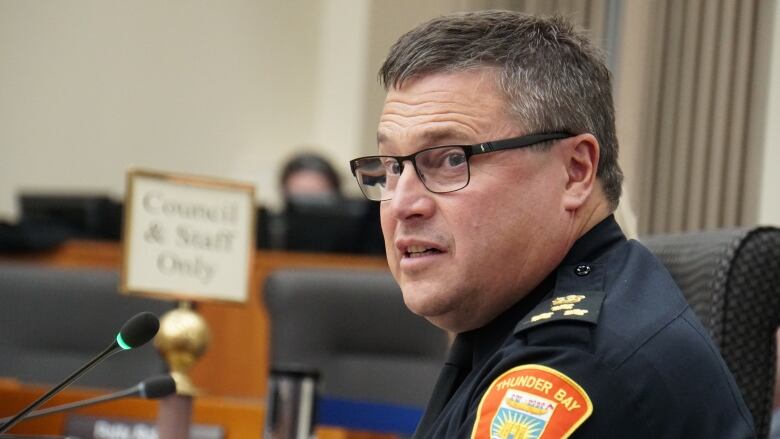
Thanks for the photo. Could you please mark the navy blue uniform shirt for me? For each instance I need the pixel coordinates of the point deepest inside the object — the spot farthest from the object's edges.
(611, 320)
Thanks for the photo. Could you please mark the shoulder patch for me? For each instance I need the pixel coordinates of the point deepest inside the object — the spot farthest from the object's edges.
(584, 307)
(531, 402)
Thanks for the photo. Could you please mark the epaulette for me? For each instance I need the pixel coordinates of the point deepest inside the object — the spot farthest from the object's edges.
(582, 307)
(578, 295)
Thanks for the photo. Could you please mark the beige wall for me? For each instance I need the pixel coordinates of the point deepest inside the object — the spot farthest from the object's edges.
(338, 113)
(769, 200)
(89, 88)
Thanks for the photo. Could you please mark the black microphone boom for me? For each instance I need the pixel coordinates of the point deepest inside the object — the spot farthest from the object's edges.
(138, 330)
(151, 388)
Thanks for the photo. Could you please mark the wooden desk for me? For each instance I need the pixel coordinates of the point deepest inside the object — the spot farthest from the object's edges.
(236, 363)
(241, 418)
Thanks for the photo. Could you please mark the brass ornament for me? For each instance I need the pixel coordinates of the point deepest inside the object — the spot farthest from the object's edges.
(182, 339)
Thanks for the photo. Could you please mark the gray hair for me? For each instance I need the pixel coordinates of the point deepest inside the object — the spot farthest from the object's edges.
(553, 77)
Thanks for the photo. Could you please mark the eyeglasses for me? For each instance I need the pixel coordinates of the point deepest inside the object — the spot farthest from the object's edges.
(441, 169)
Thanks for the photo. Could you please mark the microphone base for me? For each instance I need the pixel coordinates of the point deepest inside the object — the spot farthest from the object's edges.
(174, 417)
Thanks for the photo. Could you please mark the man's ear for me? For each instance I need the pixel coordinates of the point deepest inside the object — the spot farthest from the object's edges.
(581, 157)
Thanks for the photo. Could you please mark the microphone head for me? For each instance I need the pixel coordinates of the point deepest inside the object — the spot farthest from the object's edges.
(138, 330)
(158, 386)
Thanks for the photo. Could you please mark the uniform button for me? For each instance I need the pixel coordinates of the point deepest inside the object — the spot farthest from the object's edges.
(582, 270)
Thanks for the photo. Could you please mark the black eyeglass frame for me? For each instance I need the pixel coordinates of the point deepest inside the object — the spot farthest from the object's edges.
(469, 151)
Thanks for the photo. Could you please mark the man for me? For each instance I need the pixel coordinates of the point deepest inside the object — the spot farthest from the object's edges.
(565, 328)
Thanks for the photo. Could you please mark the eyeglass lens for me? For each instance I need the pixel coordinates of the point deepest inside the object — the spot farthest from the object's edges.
(443, 169)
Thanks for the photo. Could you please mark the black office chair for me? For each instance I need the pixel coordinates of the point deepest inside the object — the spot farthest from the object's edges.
(732, 280)
(355, 329)
(54, 320)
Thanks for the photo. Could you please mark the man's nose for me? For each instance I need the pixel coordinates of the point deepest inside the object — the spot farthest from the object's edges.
(411, 198)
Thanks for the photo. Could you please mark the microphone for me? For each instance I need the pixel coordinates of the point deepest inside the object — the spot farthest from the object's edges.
(151, 388)
(135, 332)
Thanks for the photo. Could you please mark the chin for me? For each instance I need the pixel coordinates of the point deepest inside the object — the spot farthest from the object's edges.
(452, 323)
(438, 310)
(421, 302)
(416, 304)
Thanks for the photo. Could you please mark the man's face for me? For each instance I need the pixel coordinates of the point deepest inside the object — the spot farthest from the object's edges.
(461, 258)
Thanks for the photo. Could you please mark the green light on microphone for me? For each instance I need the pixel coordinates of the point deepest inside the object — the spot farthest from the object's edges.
(121, 342)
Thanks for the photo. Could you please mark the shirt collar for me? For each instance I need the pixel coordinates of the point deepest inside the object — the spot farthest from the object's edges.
(595, 242)
(489, 338)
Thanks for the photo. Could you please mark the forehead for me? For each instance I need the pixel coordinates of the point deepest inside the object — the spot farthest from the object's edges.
(442, 108)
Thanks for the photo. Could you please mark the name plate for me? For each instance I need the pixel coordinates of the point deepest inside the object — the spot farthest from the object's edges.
(188, 237)
(88, 427)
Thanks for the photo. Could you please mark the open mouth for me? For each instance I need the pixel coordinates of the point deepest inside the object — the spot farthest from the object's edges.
(419, 251)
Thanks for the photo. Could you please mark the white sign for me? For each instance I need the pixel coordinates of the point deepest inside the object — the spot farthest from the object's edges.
(188, 237)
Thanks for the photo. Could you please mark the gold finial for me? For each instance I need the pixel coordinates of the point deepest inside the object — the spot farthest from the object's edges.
(182, 340)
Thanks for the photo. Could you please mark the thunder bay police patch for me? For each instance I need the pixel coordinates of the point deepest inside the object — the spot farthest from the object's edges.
(531, 402)
(521, 415)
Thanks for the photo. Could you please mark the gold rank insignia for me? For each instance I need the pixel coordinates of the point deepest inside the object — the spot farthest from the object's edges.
(542, 316)
(531, 402)
(570, 299)
(575, 312)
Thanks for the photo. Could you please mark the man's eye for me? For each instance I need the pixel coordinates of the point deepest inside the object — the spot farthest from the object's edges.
(455, 159)
(393, 167)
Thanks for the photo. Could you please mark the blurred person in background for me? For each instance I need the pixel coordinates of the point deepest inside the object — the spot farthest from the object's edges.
(309, 176)
(316, 216)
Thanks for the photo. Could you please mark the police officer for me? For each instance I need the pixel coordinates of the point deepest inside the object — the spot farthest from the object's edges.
(497, 175)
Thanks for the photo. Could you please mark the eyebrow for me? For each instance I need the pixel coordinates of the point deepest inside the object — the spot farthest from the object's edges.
(432, 136)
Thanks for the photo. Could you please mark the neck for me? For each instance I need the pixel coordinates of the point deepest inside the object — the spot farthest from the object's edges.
(588, 215)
